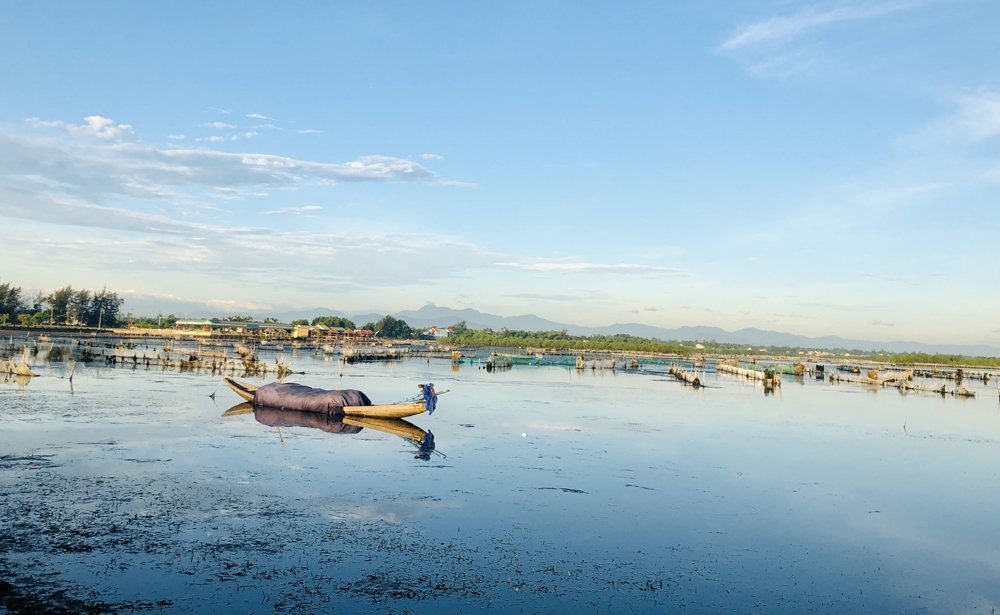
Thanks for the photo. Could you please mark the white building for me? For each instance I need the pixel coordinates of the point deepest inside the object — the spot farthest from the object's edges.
(439, 332)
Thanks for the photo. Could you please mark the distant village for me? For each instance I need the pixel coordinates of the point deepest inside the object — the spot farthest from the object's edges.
(294, 330)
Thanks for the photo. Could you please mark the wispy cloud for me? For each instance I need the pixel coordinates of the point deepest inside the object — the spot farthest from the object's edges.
(310, 131)
(881, 323)
(784, 29)
(71, 177)
(547, 297)
(648, 308)
(432, 157)
(577, 267)
(258, 116)
(176, 137)
(288, 260)
(219, 125)
(839, 307)
(979, 115)
(292, 210)
(887, 278)
(135, 163)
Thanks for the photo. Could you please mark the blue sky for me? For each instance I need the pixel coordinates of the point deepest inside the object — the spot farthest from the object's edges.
(812, 167)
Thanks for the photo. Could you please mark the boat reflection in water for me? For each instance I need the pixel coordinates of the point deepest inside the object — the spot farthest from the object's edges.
(339, 424)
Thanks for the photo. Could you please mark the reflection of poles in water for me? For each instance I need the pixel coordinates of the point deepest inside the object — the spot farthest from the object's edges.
(281, 438)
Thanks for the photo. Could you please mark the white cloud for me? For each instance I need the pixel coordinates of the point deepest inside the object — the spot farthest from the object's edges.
(176, 137)
(219, 125)
(266, 127)
(258, 116)
(96, 126)
(70, 179)
(784, 29)
(979, 115)
(310, 131)
(744, 311)
(432, 157)
(575, 267)
(76, 180)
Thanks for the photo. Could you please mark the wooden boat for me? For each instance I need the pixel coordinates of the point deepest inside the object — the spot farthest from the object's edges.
(244, 408)
(396, 427)
(385, 411)
(242, 389)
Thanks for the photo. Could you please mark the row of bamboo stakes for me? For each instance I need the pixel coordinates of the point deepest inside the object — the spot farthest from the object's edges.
(769, 378)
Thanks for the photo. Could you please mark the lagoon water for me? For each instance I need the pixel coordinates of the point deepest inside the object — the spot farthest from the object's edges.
(556, 491)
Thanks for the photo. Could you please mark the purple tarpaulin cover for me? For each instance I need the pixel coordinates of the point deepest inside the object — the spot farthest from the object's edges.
(307, 399)
(275, 417)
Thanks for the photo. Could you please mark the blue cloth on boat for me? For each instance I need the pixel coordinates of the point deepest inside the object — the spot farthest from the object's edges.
(293, 396)
(430, 398)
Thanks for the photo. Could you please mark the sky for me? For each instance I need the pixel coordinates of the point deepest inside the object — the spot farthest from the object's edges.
(811, 167)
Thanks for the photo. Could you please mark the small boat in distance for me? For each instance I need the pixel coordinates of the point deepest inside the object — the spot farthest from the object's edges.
(308, 399)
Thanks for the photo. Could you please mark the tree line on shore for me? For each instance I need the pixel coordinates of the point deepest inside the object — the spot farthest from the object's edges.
(64, 306)
(87, 308)
(561, 340)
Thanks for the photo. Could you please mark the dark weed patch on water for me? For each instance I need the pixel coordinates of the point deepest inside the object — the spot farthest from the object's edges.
(69, 544)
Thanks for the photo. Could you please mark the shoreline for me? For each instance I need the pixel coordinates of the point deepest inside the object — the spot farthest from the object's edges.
(443, 348)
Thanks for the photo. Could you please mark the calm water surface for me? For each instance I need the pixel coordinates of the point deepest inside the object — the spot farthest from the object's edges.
(556, 492)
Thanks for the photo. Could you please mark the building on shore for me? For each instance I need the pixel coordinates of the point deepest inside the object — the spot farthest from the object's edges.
(440, 332)
(215, 325)
(333, 334)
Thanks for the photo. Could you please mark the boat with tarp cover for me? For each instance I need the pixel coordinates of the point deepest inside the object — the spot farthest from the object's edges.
(349, 402)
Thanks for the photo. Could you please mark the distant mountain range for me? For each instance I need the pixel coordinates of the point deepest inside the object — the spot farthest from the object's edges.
(433, 315)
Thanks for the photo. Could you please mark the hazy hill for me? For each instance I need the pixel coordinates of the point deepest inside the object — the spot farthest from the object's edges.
(434, 315)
